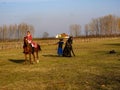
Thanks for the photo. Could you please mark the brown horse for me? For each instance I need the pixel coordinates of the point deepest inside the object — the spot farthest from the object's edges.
(29, 50)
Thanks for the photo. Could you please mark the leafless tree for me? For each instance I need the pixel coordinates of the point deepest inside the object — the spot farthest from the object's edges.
(1, 30)
(118, 25)
(86, 30)
(45, 35)
(23, 28)
(5, 34)
(15, 31)
(107, 26)
(75, 30)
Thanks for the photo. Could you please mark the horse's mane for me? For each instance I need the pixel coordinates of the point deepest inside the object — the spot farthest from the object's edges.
(25, 44)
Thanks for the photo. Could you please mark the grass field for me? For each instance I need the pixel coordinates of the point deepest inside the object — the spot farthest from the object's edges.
(93, 68)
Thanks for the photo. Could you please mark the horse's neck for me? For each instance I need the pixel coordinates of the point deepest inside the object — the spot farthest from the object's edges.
(26, 44)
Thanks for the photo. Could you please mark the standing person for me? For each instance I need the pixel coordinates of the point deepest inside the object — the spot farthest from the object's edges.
(60, 47)
(68, 48)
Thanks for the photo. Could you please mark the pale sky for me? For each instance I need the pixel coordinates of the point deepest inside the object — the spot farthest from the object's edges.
(55, 16)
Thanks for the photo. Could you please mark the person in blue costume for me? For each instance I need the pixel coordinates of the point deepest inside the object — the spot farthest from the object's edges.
(60, 47)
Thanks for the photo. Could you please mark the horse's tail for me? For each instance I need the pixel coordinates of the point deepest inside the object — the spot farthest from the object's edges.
(39, 47)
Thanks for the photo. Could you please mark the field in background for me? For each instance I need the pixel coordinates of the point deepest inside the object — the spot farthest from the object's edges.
(93, 68)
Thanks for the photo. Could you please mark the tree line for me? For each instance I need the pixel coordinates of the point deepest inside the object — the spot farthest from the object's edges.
(104, 26)
(11, 32)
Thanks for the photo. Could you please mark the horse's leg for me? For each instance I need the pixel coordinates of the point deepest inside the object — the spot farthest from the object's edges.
(25, 58)
(34, 57)
(30, 58)
(37, 56)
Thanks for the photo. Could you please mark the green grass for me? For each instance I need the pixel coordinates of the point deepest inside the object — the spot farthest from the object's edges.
(93, 68)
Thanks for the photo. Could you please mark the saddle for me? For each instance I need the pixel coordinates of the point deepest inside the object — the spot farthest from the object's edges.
(27, 49)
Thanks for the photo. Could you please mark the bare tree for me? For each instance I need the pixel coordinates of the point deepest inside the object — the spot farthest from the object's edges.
(45, 35)
(15, 31)
(1, 30)
(86, 30)
(107, 26)
(118, 25)
(23, 28)
(31, 29)
(5, 34)
(75, 30)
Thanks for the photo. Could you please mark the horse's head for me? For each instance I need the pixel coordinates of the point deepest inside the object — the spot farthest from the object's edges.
(25, 41)
(26, 46)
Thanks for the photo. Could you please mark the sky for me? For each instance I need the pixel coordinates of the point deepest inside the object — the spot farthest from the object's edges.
(55, 16)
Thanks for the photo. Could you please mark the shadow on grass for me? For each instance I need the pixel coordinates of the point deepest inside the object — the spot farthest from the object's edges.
(108, 52)
(102, 52)
(118, 59)
(17, 61)
(113, 44)
(50, 55)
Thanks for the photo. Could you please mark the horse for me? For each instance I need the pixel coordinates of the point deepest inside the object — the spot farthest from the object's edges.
(29, 50)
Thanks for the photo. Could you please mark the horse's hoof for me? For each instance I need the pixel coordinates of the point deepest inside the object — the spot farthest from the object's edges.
(31, 63)
(37, 61)
(24, 63)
